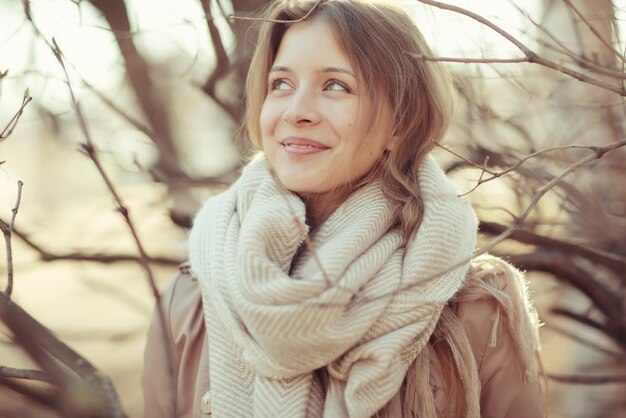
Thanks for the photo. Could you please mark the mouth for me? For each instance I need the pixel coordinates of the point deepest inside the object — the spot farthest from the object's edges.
(296, 145)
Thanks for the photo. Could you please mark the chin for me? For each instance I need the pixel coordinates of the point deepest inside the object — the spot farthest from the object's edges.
(301, 181)
(303, 186)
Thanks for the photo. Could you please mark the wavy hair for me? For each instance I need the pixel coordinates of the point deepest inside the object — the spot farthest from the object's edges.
(384, 45)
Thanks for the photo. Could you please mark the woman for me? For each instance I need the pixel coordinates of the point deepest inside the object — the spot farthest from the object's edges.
(323, 279)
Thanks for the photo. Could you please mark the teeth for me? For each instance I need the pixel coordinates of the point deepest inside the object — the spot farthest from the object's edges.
(299, 146)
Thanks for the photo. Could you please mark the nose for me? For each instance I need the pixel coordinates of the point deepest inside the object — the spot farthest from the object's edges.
(302, 109)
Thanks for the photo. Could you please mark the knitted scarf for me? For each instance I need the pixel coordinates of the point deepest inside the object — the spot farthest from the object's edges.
(361, 304)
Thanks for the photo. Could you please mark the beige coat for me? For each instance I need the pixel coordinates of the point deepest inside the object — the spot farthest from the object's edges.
(504, 392)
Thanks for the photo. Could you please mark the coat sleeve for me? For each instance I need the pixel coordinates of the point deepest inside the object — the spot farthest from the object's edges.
(501, 369)
(176, 391)
(504, 393)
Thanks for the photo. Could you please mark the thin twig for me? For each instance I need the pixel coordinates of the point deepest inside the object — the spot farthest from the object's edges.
(7, 231)
(587, 380)
(472, 163)
(90, 149)
(460, 60)
(257, 19)
(15, 209)
(25, 374)
(8, 130)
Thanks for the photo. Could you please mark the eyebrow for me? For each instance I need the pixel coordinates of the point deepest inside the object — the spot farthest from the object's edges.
(322, 70)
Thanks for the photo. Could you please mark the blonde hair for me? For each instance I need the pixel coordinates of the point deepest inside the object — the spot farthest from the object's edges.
(383, 44)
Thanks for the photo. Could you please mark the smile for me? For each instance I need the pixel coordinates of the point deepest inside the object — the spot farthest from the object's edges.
(302, 146)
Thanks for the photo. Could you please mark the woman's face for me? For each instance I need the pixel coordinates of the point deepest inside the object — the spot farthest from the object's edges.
(316, 119)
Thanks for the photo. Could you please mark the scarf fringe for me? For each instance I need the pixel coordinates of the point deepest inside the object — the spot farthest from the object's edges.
(489, 277)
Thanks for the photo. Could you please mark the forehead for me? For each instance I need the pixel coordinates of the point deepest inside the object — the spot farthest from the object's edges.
(311, 43)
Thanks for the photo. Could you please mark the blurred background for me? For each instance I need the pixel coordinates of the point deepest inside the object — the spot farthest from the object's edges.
(537, 144)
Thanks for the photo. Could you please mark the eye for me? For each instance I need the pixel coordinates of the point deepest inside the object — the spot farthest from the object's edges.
(337, 85)
(279, 84)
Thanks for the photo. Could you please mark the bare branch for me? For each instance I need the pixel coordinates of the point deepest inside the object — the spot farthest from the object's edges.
(584, 341)
(38, 340)
(616, 332)
(610, 260)
(481, 167)
(532, 56)
(24, 374)
(8, 130)
(587, 380)
(90, 149)
(565, 268)
(7, 231)
(497, 174)
(49, 256)
(256, 19)
(223, 64)
(47, 398)
(470, 60)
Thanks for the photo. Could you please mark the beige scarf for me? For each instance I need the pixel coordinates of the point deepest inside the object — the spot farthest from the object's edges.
(362, 305)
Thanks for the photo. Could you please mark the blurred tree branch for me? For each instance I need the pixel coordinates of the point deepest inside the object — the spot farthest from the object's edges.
(612, 261)
(531, 56)
(595, 31)
(223, 65)
(96, 391)
(47, 255)
(114, 11)
(24, 374)
(565, 267)
(575, 234)
(587, 380)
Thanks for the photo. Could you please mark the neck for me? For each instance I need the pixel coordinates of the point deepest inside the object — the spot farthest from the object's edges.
(319, 206)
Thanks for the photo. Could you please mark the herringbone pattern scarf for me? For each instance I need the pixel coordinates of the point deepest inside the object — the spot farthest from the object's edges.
(362, 306)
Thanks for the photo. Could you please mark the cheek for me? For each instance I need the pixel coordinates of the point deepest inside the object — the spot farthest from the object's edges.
(265, 119)
(268, 120)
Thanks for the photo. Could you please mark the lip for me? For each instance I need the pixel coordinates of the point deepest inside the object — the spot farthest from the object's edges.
(302, 146)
